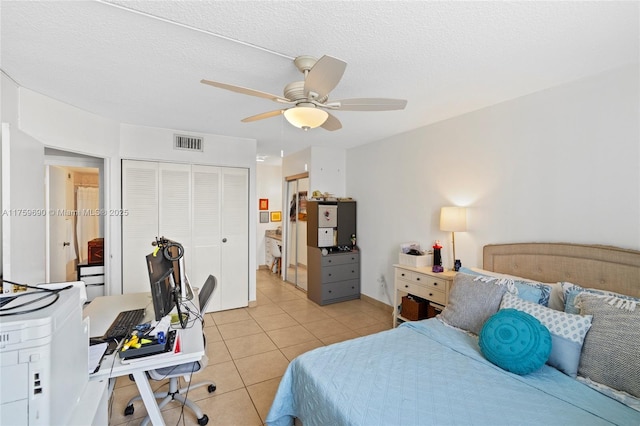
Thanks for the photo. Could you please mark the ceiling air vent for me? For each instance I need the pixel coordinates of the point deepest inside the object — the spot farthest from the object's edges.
(189, 143)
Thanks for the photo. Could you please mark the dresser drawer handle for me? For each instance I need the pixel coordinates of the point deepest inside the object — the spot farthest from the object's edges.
(417, 278)
(430, 294)
(406, 286)
(435, 284)
(402, 275)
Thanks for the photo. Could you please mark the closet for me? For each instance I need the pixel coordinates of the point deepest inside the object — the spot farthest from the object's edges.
(205, 208)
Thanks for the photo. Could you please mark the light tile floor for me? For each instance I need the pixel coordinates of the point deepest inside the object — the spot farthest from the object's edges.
(249, 350)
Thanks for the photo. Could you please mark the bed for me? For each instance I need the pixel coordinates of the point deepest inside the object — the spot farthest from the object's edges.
(436, 371)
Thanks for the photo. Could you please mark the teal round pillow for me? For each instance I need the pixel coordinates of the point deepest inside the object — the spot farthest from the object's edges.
(515, 341)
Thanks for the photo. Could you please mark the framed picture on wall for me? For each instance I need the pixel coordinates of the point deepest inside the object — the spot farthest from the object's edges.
(264, 204)
(276, 216)
(264, 217)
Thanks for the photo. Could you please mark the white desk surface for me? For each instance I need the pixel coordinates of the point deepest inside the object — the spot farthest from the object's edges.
(104, 309)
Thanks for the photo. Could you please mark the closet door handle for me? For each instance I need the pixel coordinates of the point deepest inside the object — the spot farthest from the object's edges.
(224, 240)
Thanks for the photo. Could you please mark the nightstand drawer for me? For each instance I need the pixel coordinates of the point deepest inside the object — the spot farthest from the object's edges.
(435, 283)
(429, 293)
(422, 279)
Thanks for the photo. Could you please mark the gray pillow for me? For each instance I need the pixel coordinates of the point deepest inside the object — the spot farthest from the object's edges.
(471, 302)
(611, 349)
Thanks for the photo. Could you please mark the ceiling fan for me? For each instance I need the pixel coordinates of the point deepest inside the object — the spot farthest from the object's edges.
(308, 100)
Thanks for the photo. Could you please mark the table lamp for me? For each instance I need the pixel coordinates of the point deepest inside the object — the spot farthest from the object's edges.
(453, 219)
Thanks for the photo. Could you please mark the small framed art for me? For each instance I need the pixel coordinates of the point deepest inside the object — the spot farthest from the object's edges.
(276, 216)
(264, 217)
(264, 204)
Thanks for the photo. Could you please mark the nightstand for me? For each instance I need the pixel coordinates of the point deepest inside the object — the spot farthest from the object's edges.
(421, 282)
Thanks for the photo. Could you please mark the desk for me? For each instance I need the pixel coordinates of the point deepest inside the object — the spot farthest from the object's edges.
(103, 310)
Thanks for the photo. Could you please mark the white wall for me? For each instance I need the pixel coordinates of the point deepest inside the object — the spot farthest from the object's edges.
(327, 171)
(558, 165)
(268, 185)
(60, 126)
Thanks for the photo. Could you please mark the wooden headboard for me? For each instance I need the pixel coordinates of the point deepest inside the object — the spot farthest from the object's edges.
(593, 266)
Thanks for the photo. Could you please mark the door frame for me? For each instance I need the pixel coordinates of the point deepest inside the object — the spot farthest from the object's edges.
(74, 160)
(285, 236)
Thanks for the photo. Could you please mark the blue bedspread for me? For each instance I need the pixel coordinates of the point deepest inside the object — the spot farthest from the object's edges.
(425, 373)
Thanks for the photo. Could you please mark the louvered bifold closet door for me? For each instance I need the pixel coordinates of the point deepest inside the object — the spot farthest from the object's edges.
(205, 208)
(206, 182)
(140, 225)
(174, 212)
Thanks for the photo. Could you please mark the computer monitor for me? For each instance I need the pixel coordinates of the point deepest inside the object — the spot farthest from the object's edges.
(162, 285)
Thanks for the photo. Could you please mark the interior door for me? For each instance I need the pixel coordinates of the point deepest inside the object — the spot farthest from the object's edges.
(234, 288)
(60, 244)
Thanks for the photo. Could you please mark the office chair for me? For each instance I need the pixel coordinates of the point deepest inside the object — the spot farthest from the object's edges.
(174, 373)
(277, 256)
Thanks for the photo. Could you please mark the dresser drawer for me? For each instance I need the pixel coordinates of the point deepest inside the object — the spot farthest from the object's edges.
(340, 289)
(343, 272)
(91, 270)
(93, 280)
(340, 259)
(94, 290)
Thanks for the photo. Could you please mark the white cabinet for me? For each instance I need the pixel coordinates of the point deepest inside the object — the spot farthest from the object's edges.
(205, 208)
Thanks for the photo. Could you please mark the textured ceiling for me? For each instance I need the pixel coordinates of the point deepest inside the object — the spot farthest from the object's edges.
(141, 62)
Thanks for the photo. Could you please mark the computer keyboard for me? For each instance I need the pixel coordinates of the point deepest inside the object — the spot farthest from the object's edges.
(123, 324)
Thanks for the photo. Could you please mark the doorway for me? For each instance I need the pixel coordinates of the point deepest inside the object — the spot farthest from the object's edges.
(74, 201)
(296, 230)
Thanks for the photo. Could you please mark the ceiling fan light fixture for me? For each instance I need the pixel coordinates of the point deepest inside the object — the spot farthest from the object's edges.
(305, 117)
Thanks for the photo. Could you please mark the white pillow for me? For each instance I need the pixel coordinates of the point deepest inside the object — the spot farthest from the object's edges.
(567, 332)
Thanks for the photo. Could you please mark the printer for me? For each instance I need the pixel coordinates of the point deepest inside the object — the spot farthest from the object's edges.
(43, 360)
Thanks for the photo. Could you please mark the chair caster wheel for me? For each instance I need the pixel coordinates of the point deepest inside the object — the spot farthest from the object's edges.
(204, 420)
(211, 388)
(128, 410)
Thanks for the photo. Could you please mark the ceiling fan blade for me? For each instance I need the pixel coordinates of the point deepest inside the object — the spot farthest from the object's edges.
(262, 116)
(332, 123)
(368, 104)
(246, 91)
(324, 76)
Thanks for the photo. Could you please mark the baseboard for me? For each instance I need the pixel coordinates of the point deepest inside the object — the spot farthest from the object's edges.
(377, 303)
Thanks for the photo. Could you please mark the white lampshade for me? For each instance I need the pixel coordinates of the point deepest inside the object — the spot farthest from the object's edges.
(306, 117)
(453, 219)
